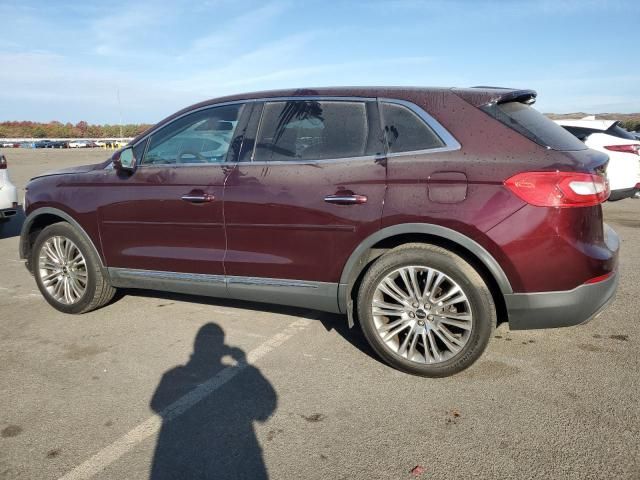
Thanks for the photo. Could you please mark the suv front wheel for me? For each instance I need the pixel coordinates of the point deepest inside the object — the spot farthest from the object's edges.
(425, 310)
(68, 271)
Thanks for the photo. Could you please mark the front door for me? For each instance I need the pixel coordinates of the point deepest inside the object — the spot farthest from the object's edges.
(302, 198)
(168, 215)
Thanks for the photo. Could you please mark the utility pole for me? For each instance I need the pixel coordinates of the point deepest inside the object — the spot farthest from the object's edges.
(119, 110)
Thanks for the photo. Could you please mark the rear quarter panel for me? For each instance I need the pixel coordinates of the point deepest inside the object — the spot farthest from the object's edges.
(490, 154)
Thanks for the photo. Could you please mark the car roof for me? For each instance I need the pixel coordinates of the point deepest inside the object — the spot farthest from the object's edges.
(476, 96)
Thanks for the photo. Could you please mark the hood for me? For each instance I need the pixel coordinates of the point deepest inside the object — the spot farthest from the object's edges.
(72, 170)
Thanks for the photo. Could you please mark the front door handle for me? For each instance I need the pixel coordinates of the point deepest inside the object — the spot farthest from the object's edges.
(347, 199)
(198, 197)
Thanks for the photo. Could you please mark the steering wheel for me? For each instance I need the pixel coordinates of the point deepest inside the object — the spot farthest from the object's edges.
(198, 155)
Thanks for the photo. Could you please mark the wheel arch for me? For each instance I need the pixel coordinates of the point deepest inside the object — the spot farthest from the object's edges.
(43, 217)
(390, 237)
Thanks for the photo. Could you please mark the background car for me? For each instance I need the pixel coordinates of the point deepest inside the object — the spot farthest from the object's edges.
(622, 147)
(42, 144)
(8, 193)
(79, 144)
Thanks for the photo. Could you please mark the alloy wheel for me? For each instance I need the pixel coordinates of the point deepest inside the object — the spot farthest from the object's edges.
(421, 314)
(63, 270)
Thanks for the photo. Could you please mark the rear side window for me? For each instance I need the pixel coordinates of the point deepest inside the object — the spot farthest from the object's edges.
(533, 125)
(312, 130)
(405, 131)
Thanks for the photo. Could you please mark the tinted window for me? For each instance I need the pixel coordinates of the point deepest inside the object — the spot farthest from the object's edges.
(312, 130)
(405, 131)
(201, 137)
(533, 125)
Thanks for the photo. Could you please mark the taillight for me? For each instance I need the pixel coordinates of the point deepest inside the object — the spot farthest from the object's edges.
(634, 148)
(559, 189)
(598, 279)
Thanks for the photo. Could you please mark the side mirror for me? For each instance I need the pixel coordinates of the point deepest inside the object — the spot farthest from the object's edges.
(124, 160)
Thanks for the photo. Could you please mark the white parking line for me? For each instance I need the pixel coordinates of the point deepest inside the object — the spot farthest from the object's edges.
(151, 426)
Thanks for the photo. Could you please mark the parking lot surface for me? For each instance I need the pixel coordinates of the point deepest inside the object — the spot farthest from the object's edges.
(172, 386)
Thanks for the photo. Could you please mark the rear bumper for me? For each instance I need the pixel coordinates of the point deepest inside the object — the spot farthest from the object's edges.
(560, 309)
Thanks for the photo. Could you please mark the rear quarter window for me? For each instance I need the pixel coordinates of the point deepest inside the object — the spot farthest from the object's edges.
(405, 131)
(532, 124)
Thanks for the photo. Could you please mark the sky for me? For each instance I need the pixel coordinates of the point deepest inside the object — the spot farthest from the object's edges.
(140, 60)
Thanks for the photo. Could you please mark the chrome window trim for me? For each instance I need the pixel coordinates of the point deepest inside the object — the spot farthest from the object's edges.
(450, 143)
(182, 165)
(253, 100)
(314, 162)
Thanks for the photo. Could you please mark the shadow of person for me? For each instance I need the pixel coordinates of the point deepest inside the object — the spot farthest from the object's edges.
(215, 437)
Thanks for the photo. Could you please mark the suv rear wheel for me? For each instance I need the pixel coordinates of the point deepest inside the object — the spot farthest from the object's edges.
(68, 271)
(425, 310)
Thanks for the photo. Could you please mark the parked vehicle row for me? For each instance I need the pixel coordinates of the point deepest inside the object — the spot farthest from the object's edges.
(65, 144)
(426, 215)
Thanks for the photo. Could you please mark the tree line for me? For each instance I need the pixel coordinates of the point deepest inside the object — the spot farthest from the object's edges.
(68, 130)
(85, 130)
(631, 125)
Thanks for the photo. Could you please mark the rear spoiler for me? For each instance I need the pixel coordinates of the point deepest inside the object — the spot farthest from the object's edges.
(479, 96)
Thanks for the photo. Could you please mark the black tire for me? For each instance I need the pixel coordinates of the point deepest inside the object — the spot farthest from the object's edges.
(480, 301)
(98, 291)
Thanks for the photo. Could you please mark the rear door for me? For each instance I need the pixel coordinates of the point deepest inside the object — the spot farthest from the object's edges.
(309, 187)
(168, 215)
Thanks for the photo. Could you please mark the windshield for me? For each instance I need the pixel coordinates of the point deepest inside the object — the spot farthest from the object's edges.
(534, 125)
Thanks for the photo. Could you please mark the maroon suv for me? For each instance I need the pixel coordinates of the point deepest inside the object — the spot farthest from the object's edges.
(428, 214)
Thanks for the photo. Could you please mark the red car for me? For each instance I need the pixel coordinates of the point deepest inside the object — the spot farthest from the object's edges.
(426, 214)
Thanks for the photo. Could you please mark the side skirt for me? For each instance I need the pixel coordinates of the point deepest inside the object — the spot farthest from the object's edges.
(296, 293)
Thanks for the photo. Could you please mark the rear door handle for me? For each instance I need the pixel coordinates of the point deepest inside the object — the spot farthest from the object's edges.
(348, 199)
(198, 198)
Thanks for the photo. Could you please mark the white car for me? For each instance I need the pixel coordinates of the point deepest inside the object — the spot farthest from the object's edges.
(622, 147)
(79, 144)
(8, 193)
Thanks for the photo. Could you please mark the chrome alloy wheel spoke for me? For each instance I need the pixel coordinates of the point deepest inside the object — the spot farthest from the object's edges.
(63, 270)
(422, 314)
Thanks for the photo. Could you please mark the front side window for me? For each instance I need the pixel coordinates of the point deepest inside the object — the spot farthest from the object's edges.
(312, 130)
(405, 131)
(201, 137)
